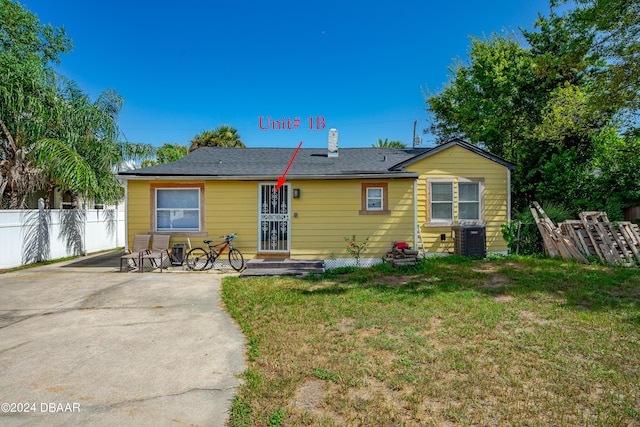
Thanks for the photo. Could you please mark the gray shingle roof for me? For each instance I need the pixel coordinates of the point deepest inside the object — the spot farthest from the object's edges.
(271, 162)
(310, 162)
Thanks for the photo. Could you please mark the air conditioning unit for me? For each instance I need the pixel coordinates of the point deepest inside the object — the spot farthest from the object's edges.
(470, 240)
(178, 253)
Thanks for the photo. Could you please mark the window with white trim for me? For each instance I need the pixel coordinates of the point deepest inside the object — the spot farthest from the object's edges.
(177, 209)
(441, 201)
(375, 198)
(468, 201)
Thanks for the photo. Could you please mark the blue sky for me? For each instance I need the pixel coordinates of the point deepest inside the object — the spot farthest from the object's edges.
(188, 66)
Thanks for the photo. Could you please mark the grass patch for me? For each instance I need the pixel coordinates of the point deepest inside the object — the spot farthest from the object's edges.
(510, 341)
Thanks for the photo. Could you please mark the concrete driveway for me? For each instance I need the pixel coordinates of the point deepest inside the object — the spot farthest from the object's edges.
(81, 344)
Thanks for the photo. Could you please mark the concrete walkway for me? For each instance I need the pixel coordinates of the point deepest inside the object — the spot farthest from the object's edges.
(81, 344)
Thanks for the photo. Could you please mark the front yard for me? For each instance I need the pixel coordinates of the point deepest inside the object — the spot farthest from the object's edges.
(510, 341)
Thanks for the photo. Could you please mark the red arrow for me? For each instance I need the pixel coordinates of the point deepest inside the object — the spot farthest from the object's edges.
(282, 180)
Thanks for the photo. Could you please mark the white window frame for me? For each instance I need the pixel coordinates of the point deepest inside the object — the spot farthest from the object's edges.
(372, 198)
(475, 202)
(431, 202)
(365, 197)
(157, 210)
(480, 186)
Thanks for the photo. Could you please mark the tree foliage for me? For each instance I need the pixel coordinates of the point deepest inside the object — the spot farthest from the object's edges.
(614, 28)
(24, 39)
(27, 97)
(51, 133)
(166, 154)
(540, 105)
(80, 150)
(485, 100)
(137, 151)
(222, 136)
(388, 144)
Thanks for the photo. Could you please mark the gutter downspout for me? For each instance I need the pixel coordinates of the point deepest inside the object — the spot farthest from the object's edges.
(508, 196)
(117, 223)
(126, 215)
(415, 213)
(84, 236)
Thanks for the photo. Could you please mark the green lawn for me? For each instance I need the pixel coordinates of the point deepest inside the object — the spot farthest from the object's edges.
(510, 341)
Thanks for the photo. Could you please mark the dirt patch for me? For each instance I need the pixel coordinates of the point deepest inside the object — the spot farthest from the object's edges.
(497, 281)
(503, 298)
(555, 299)
(431, 332)
(310, 397)
(492, 268)
(395, 281)
(320, 286)
(372, 388)
(531, 317)
(346, 324)
(434, 324)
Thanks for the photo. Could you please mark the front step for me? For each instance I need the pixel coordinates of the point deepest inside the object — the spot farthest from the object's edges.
(282, 267)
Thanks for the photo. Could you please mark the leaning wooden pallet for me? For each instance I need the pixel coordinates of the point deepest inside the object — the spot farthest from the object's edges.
(592, 235)
(555, 241)
(631, 237)
(614, 247)
(589, 220)
(548, 242)
(574, 229)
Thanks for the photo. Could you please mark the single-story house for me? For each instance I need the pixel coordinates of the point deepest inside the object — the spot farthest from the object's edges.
(383, 194)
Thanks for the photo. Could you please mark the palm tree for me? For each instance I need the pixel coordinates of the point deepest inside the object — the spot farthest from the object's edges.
(222, 136)
(80, 151)
(27, 49)
(388, 144)
(166, 154)
(25, 99)
(51, 133)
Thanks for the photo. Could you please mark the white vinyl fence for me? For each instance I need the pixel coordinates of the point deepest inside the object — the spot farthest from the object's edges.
(28, 236)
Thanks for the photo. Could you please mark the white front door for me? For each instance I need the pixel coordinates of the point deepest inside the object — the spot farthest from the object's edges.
(274, 218)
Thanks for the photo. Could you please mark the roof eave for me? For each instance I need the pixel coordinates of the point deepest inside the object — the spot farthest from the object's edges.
(460, 143)
(394, 175)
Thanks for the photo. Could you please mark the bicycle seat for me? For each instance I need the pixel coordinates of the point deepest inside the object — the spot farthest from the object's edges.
(206, 242)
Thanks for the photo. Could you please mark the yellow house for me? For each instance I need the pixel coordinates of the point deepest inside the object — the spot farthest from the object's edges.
(418, 196)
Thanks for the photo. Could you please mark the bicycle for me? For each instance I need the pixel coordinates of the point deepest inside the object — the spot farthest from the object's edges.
(201, 259)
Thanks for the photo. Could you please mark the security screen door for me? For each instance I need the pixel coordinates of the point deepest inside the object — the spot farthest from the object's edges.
(274, 218)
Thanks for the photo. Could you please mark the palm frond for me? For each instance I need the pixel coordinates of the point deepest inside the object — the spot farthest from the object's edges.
(66, 167)
(133, 151)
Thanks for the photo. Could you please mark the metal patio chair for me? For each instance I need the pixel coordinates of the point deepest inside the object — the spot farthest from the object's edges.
(140, 247)
(159, 251)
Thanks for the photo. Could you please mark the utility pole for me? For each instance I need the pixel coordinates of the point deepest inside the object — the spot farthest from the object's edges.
(413, 141)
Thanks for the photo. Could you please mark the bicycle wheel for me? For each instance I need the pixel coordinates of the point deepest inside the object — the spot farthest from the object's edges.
(236, 260)
(197, 259)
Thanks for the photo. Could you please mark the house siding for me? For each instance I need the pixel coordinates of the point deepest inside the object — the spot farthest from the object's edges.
(456, 162)
(329, 211)
(229, 207)
(138, 202)
(232, 207)
(326, 213)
